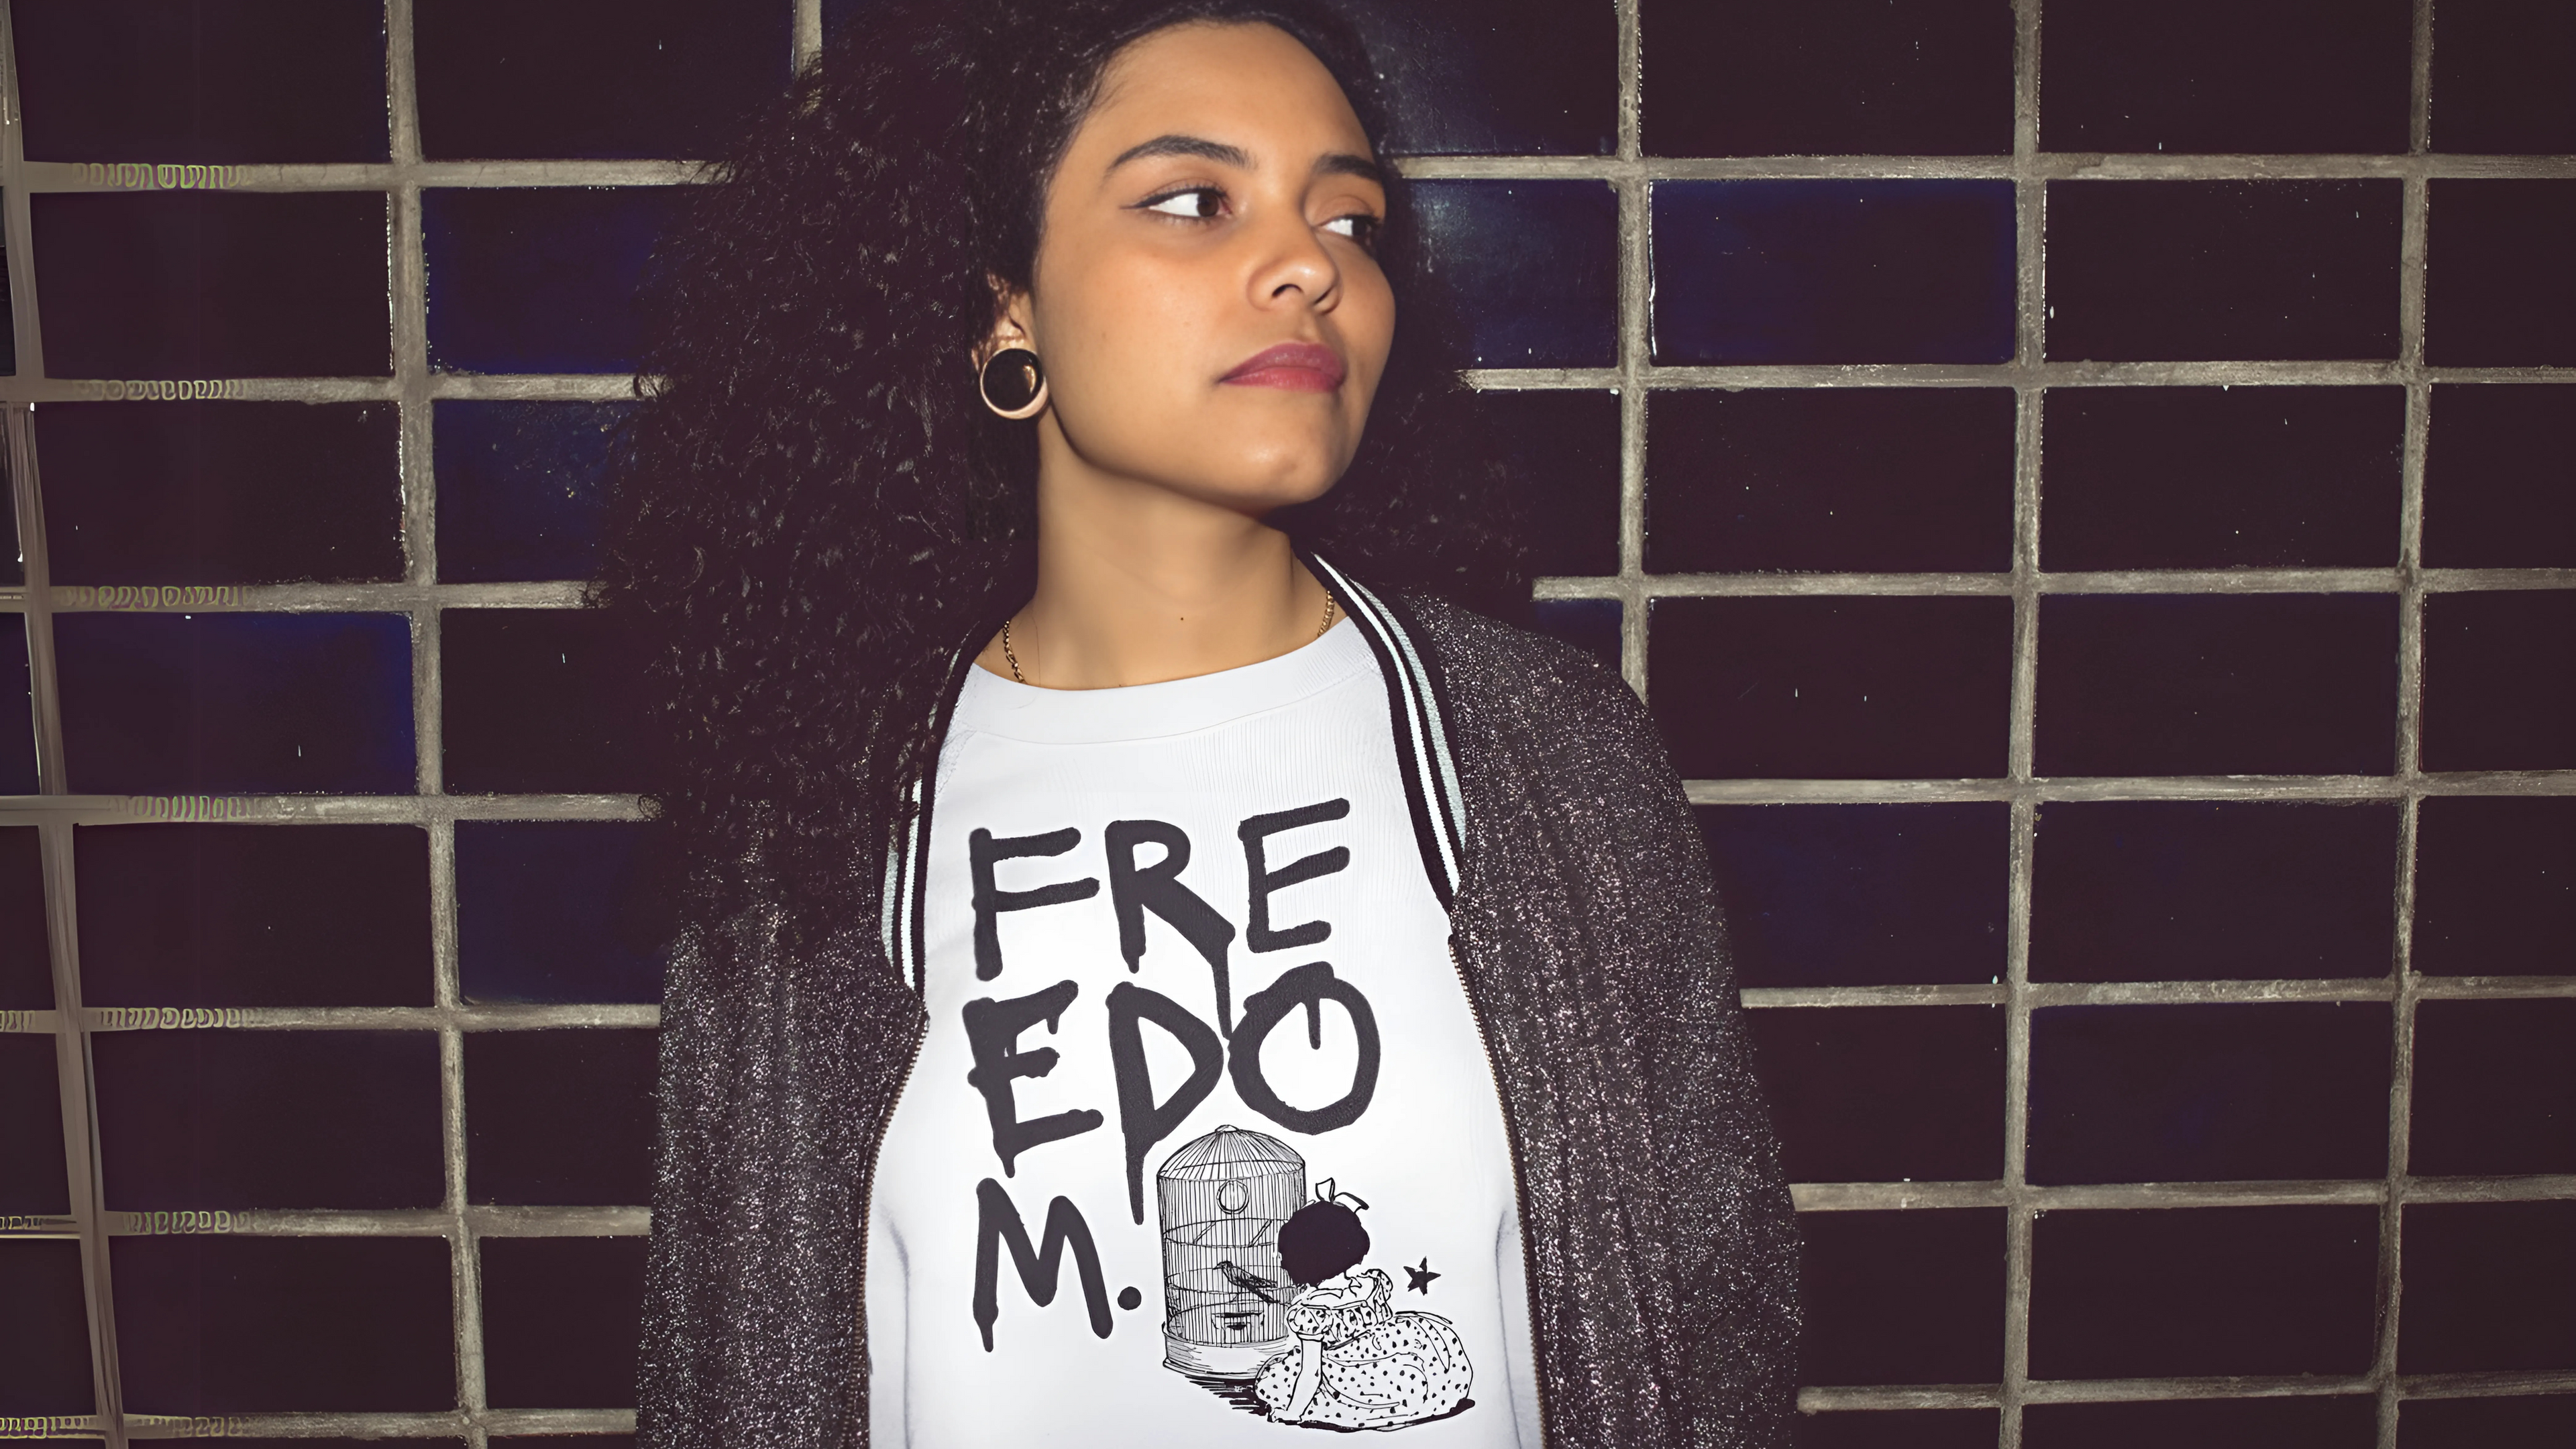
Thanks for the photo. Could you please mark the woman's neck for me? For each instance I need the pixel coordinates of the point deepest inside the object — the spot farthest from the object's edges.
(1138, 583)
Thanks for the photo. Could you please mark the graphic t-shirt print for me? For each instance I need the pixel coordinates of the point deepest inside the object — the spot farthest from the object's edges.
(1202, 1146)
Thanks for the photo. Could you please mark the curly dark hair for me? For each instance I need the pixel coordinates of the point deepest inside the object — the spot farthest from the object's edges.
(812, 514)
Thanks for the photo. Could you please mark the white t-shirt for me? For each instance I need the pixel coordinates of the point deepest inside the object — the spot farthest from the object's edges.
(1138, 1059)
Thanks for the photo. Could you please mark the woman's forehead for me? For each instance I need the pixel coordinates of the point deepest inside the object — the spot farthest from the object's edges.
(1248, 85)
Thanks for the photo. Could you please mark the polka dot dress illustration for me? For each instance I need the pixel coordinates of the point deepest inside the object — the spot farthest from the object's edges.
(1376, 1369)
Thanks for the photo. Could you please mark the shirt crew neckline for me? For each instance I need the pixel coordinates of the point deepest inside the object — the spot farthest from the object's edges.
(991, 704)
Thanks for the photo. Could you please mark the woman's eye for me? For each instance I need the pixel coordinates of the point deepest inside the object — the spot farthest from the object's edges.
(1199, 203)
(1358, 226)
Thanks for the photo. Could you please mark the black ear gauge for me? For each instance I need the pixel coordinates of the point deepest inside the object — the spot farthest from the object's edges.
(1013, 384)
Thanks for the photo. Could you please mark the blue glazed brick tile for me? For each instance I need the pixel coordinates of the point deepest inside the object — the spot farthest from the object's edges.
(1902, 1297)
(2498, 694)
(2498, 291)
(2495, 885)
(13, 569)
(1874, 479)
(2481, 1423)
(2170, 684)
(2487, 1288)
(1833, 271)
(17, 710)
(557, 911)
(620, 78)
(243, 703)
(1885, 1093)
(1495, 77)
(2345, 1421)
(560, 1116)
(173, 80)
(1563, 452)
(2232, 76)
(2190, 1291)
(221, 492)
(2274, 1091)
(1860, 895)
(268, 1119)
(2500, 68)
(518, 721)
(539, 279)
(32, 1176)
(26, 965)
(1591, 625)
(254, 915)
(1896, 1429)
(2155, 271)
(2500, 478)
(204, 284)
(2207, 477)
(224, 1324)
(1463, 77)
(1827, 77)
(2155, 890)
(561, 1318)
(44, 1337)
(1532, 268)
(2495, 1089)
(1851, 688)
(519, 488)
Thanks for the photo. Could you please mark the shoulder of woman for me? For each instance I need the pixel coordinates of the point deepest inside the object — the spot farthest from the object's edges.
(1509, 690)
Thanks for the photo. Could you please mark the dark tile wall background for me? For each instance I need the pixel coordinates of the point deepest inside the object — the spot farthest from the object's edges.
(2085, 489)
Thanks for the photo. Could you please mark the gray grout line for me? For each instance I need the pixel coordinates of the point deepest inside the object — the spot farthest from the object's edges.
(2310, 372)
(806, 40)
(408, 597)
(2394, 579)
(2413, 241)
(51, 176)
(409, 298)
(395, 1427)
(1636, 354)
(620, 387)
(456, 1016)
(317, 809)
(629, 1220)
(504, 387)
(2037, 165)
(419, 809)
(72, 1075)
(1839, 1399)
(2279, 788)
(2030, 336)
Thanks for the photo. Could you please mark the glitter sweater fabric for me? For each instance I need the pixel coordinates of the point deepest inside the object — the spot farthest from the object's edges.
(1662, 1250)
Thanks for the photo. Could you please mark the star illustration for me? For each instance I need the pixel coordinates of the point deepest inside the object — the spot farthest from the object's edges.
(1420, 1278)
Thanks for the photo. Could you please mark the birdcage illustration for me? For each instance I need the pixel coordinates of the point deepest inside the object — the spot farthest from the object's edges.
(1225, 1299)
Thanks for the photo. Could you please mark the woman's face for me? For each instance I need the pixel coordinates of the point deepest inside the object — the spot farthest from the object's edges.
(1205, 302)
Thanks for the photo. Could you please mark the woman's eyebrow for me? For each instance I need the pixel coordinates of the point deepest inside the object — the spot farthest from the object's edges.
(1343, 163)
(1176, 145)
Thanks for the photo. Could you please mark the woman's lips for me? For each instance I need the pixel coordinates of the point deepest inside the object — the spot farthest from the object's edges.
(1296, 366)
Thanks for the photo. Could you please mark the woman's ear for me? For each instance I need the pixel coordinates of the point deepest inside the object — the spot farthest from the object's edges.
(1012, 320)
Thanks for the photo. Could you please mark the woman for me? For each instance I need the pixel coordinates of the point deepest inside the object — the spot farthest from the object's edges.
(1051, 550)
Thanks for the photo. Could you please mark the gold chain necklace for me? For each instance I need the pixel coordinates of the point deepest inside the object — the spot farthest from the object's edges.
(1014, 660)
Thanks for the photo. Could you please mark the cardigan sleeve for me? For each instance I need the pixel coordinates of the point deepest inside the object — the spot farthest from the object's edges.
(1604, 886)
(772, 1066)
(1733, 1228)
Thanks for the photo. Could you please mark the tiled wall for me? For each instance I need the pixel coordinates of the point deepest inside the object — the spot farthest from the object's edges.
(2087, 494)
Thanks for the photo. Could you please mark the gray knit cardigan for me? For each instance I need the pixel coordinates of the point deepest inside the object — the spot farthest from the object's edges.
(1662, 1252)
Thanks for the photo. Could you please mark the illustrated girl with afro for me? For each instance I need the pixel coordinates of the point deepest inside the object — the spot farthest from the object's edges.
(1358, 1363)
